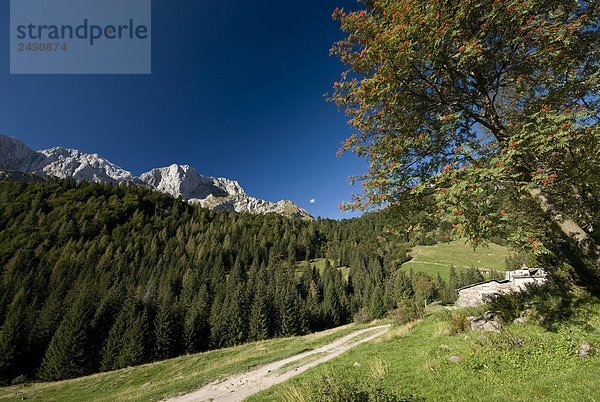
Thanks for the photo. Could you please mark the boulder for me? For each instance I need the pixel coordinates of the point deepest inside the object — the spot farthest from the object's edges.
(489, 322)
(455, 359)
(584, 349)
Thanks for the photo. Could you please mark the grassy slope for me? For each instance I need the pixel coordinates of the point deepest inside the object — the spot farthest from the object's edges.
(320, 265)
(523, 363)
(439, 258)
(183, 374)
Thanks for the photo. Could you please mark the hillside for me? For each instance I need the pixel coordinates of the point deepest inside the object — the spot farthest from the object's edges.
(459, 254)
(524, 362)
(320, 264)
(155, 381)
(436, 358)
(97, 277)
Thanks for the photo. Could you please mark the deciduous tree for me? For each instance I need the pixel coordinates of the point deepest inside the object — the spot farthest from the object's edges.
(477, 112)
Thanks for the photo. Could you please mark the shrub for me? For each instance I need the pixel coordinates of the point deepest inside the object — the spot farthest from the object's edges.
(21, 379)
(509, 306)
(407, 311)
(454, 321)
(362, 316)
(345, 387)
(457, 322)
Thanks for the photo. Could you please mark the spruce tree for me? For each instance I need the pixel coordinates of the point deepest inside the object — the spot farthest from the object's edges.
(235, 316)
(13, 338)
(259, 314)
(133, 246)
(135, 349)
(331, 305)
(116, 337)
(68, 354)
(403, 289)
(292, 320)
(196, 329)
(377, 307)
(165, 338)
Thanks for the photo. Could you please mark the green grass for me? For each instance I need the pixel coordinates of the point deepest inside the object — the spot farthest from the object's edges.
(439, 258)
(320, 265)
(156, 381)
(523, 363)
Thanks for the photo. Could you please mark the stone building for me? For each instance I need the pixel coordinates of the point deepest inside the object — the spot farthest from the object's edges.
(514, 281)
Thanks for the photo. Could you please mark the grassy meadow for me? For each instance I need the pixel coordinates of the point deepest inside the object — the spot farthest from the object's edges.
(422, 362)
(439, 258)
(155, 381)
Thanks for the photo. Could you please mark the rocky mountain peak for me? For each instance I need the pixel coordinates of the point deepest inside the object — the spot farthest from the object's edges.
(13, 153)
(176, 180)
(185, 182)
(64, 162)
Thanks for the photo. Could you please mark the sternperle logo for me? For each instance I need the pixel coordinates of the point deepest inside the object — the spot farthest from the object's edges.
(84, 31)
(80, 37)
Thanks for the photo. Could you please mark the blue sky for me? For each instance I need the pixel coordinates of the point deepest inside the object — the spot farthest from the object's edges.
(236, 90)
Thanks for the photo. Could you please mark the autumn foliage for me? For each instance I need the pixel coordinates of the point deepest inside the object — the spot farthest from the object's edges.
(464, 107)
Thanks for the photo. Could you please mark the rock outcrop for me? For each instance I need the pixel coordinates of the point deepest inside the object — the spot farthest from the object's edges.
(489, 322)
(185, 182)
(245, 203)
(14, 155)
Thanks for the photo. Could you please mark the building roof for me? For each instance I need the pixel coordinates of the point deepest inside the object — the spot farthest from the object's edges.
(481, 283)
(525, 272)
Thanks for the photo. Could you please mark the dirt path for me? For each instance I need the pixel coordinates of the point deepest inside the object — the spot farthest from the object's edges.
(241, 386)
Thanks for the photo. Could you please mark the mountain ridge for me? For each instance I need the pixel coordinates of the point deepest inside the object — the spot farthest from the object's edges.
(183, 181)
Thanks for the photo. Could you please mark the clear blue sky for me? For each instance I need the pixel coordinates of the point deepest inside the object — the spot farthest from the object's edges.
(236, 91)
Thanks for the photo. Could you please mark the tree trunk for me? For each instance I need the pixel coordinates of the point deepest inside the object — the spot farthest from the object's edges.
(569, 227)
(584, 243)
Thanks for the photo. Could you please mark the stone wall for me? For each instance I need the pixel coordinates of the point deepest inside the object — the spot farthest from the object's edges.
(477, 294)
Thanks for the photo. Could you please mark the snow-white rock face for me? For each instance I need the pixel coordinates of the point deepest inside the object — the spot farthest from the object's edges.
(246, 204)
(176, 180)
(185, 182)
(65, 163)
(59, 162)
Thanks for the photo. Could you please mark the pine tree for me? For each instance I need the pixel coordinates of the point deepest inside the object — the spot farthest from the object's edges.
(260, 314)
(376, 307)
(116, 337)
(68, 354)
(165, 338)
(13, 338)
(196, 326)
(135, 349)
